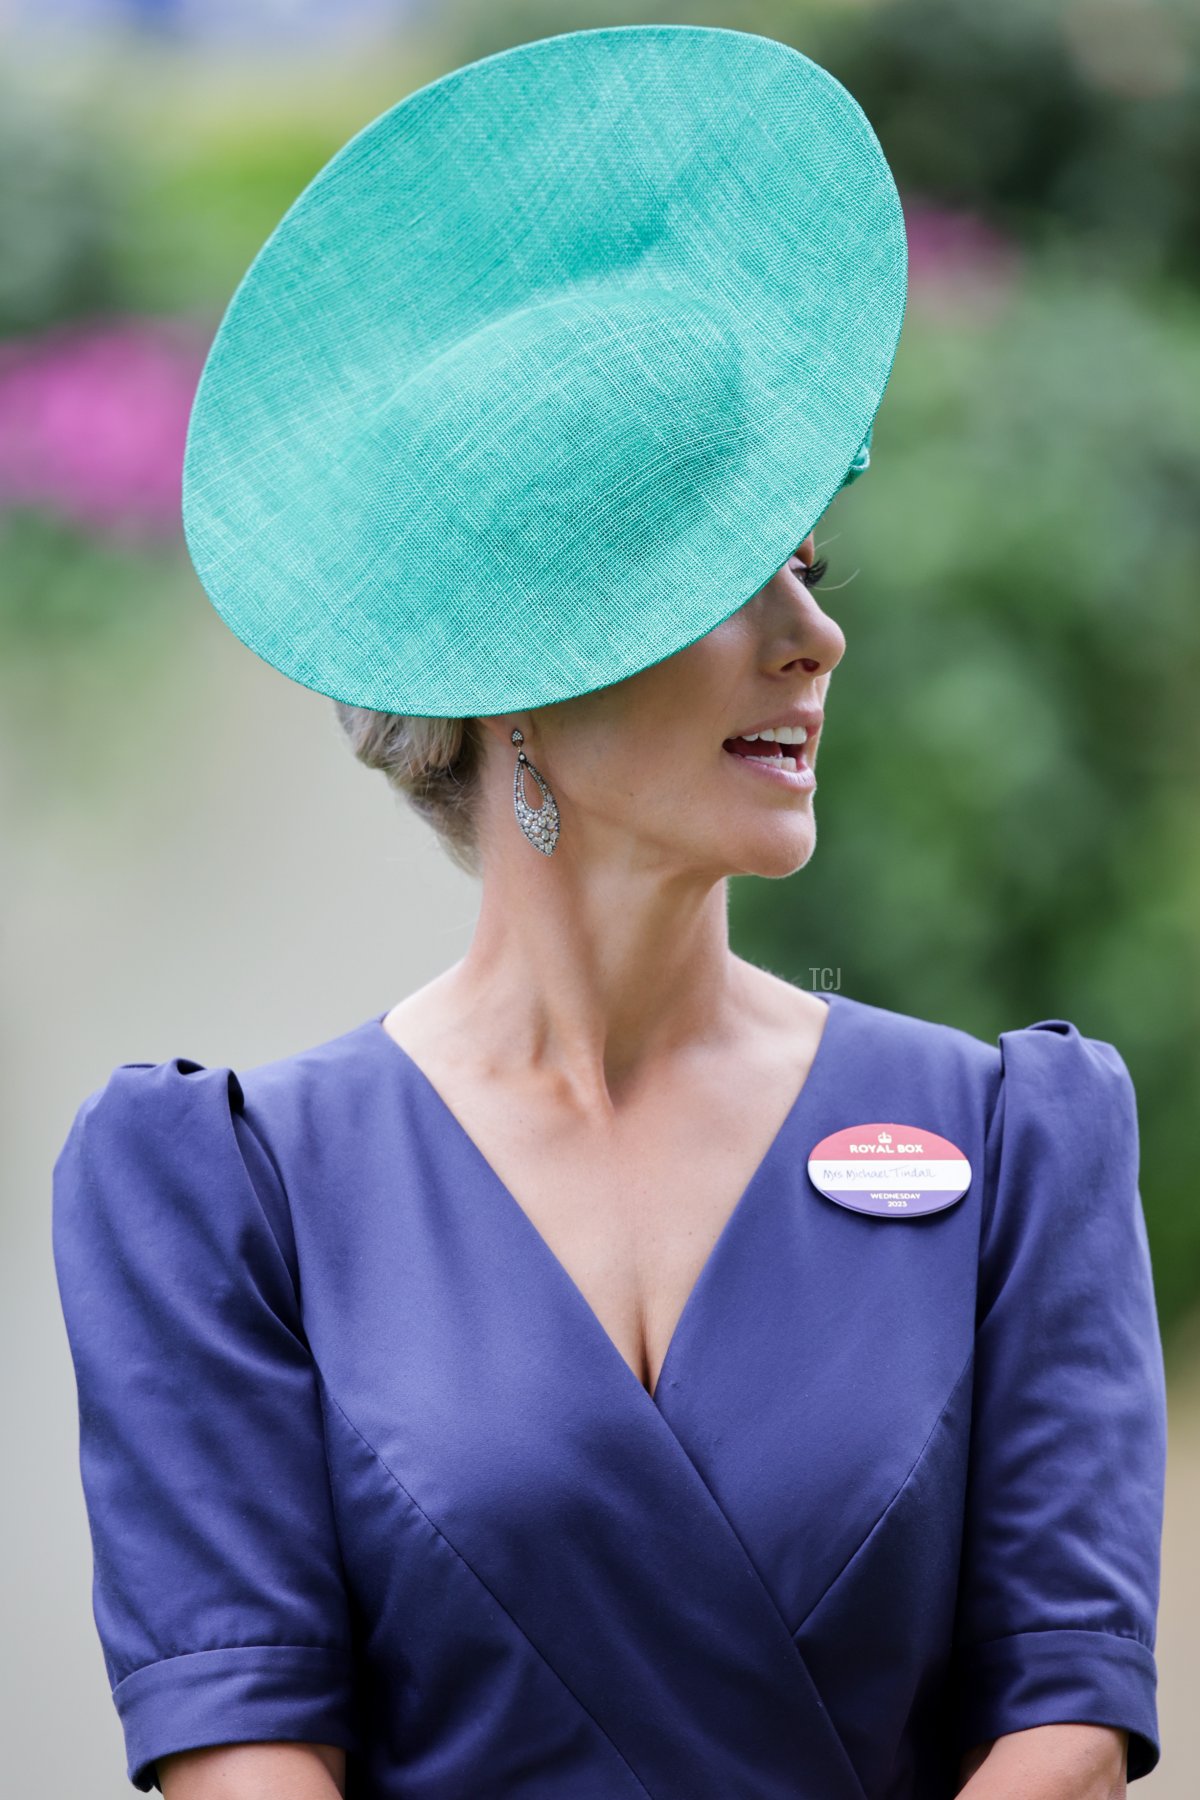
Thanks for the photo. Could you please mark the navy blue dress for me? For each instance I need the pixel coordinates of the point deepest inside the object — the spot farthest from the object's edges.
(362, 1466)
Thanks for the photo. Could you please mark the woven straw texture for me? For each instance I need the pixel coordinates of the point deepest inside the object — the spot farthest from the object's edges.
(548, 370)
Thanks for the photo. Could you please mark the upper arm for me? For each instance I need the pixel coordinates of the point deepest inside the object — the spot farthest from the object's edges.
(264, 1771)
(218, 1590)
(1060, 1570)
(970, 1760)
(1048, 1762)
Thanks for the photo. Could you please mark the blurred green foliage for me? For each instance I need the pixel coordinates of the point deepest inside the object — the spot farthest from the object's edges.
(1007, 797)
(1054, 117)
(1007, 813)
(147, 181)
(59, 207)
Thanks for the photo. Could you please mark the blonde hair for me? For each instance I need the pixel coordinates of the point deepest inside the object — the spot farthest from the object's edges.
(434, 763)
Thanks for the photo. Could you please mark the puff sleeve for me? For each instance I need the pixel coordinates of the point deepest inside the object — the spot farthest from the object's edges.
(1060, 1575)
(218, 1590)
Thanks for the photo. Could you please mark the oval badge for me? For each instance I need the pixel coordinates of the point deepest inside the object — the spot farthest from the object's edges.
(890, 1171)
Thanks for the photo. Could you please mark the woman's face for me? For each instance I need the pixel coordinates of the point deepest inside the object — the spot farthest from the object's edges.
(640, 769)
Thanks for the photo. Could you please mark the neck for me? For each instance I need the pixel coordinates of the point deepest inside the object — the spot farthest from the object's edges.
(590, 984)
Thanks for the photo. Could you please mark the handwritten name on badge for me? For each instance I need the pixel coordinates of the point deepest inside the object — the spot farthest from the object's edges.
(890, 1171)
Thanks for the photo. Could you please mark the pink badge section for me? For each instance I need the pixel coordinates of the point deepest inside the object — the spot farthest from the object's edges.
(889, 1170)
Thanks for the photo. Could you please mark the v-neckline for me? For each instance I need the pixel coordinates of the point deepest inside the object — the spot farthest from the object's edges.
(799, 1109)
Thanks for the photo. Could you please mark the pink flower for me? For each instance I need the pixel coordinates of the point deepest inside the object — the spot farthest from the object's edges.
(957, 262)
(93, 420)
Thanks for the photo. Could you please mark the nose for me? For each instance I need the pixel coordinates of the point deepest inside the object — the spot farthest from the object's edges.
(808, 636)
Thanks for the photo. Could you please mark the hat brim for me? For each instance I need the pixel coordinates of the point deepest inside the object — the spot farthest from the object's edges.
(548, 370)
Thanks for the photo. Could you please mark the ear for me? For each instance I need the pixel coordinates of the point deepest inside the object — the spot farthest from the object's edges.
(500, 727)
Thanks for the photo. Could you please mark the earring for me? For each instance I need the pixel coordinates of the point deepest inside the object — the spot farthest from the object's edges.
(540, 827)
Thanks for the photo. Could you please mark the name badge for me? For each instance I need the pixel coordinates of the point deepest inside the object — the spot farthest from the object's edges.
(890, 1171)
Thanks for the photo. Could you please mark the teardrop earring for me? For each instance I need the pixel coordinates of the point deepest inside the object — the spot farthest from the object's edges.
(540, 827)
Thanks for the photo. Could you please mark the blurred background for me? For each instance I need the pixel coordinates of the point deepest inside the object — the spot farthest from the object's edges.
(193, 863)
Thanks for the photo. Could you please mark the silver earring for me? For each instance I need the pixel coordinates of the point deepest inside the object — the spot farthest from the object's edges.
(540, 827)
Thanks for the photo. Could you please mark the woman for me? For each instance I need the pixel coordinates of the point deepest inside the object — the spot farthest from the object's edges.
(610, 1370)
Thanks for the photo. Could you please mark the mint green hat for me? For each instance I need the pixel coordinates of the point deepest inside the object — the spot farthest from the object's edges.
(548, 370)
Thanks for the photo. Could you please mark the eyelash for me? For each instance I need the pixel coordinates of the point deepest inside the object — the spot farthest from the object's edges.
(811, 573)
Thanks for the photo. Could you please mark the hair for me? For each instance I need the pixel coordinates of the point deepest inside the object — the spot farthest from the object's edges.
(434, 763)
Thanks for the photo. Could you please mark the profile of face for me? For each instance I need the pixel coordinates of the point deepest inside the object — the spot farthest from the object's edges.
(642, 770)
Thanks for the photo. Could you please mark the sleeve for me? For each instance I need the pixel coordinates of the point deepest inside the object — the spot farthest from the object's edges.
(218, 1590)
(1060, 1575)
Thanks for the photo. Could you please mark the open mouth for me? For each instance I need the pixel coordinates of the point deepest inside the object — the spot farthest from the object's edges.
(780, 756)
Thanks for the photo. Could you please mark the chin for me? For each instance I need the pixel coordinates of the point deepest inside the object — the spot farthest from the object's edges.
(779, 851)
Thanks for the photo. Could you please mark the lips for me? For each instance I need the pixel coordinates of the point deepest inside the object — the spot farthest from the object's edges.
(783, 766)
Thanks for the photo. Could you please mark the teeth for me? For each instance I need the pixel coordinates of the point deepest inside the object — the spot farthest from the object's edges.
(782, 734)
(779, 761)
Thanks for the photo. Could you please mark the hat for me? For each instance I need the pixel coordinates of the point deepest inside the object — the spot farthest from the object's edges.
(548, 370)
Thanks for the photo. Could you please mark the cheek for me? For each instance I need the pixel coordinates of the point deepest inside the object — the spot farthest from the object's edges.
(665, 776)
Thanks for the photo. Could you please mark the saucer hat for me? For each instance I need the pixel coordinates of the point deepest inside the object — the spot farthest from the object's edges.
(548, 371)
